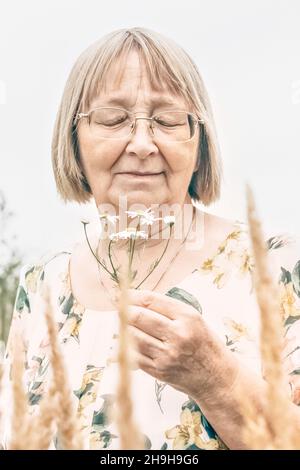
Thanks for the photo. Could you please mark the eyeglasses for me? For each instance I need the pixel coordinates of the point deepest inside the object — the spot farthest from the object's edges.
(117, 123)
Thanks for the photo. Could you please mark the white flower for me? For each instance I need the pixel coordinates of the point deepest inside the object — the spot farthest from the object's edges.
(129, 233)
(169, 219)
(146, 217)
(109, 218)
(147, 220)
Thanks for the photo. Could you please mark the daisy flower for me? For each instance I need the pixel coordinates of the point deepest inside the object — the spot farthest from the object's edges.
(146, 217)
(129, 233)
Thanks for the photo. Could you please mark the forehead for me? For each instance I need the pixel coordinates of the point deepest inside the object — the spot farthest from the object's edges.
(128, 78)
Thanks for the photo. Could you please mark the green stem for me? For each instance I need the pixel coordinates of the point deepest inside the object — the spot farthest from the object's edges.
(93, 253)
(133, 246)
(112, 264)
(155, 266)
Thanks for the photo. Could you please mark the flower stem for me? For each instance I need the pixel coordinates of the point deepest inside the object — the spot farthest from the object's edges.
(112, 264)
(94, 254)
(133, 246)
(157, 263)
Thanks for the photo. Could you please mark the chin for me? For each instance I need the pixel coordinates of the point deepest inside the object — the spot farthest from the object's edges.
(145, 198)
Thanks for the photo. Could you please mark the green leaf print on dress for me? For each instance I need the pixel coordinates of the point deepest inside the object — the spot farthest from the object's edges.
(102, 417)
(296, 278)
(288, 285)
(184, 296)
(101, 437)
(22, 300)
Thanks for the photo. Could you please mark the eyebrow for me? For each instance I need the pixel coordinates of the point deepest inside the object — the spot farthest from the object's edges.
(161, 101)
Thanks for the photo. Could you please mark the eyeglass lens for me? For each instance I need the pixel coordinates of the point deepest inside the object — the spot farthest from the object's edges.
(114, 123)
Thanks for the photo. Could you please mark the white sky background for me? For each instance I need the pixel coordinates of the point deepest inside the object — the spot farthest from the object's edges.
(248, 53)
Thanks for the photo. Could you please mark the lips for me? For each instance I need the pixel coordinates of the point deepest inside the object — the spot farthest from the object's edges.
(138, 173)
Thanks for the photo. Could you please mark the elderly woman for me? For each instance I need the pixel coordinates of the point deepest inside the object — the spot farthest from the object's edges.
(135, 131)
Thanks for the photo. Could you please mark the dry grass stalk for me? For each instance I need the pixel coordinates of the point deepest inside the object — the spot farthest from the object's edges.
(69, 432)
(271, 429)
(44, 422)
(27, 432)
(21, 431)
(1, 389)
(1, 399)
(130, 437)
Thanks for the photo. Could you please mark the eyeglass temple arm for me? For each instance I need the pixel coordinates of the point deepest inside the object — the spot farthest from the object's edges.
(79, 116)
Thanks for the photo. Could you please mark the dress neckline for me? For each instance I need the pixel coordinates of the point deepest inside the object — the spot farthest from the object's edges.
(85, 309)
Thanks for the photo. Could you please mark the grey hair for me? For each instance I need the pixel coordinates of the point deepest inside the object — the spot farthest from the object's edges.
(166, 62)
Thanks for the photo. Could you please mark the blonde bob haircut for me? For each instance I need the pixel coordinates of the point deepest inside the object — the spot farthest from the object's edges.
(165, 62)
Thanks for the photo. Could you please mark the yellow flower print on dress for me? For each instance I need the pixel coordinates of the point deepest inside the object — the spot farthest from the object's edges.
(65, 284)
(220, 279)
(70, 328)
(288, 301)
(208, 264)
(237, 330)
(190, 431)
(243, 261)
(237, 335)
(77, 309)
(229, 242)
(31, 278)
(87, 392)
(231, 256)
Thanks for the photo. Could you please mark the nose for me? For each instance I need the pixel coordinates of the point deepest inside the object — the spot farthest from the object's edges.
(141, 141)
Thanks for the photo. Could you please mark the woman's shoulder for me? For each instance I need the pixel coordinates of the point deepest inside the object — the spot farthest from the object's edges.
(224, 233)
(233, 237)
(215, 223)
(50, 266)
(277, 241)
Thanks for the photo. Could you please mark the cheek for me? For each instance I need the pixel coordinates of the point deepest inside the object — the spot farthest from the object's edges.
(182, 158)
(98, 155)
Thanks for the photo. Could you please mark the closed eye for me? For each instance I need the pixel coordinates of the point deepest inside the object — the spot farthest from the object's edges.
(164, 123)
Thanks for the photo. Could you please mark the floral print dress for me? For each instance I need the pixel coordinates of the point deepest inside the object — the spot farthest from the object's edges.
(220, 290)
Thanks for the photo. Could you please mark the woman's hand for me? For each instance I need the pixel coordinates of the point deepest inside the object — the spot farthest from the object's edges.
(174, 345)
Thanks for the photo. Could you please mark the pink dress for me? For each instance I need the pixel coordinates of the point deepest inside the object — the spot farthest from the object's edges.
(220, 290)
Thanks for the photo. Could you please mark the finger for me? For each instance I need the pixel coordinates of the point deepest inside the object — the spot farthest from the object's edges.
(146, 344)
(114, 359)
(137, 361)
(160, 303)
(145, 363)
(133, 354)
(149, 322)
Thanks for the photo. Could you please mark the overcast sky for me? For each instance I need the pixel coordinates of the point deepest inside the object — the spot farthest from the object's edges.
(248, 53)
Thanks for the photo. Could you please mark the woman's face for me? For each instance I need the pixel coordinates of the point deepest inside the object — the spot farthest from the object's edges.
(107, 163)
